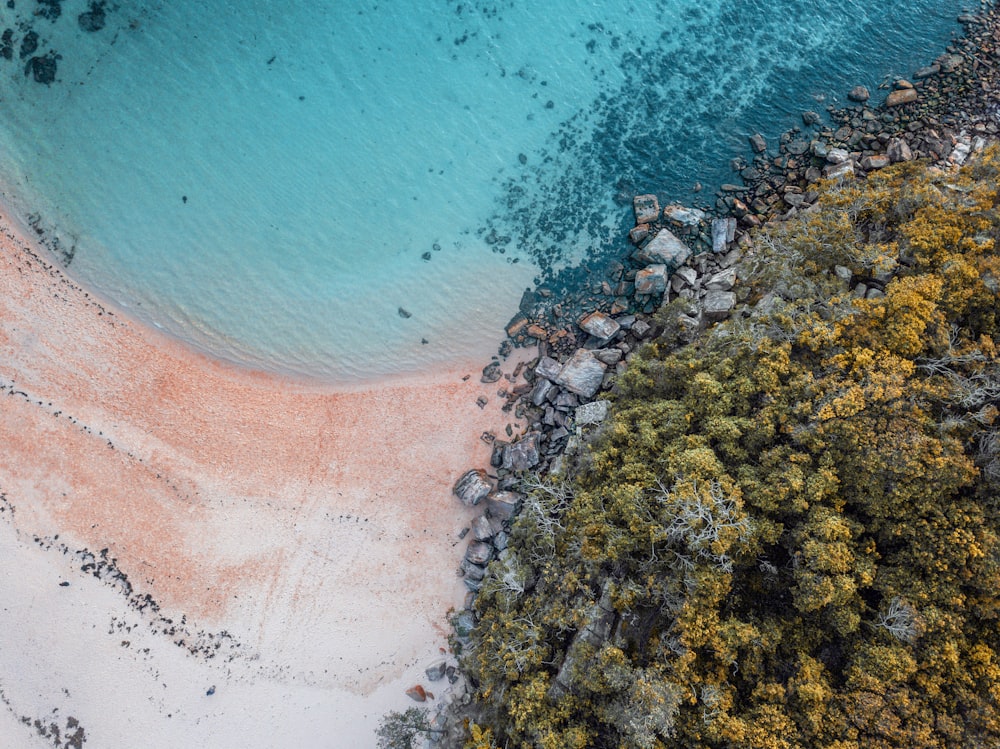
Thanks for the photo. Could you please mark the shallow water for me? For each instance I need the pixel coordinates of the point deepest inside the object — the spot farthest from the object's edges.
(347, 190)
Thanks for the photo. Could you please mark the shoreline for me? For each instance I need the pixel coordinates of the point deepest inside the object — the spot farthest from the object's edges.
(272, 537)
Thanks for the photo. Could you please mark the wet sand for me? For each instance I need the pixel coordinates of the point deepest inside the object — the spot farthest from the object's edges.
(293, 545)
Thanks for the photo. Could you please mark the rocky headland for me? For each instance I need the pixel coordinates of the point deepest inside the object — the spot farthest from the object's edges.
(682, 275)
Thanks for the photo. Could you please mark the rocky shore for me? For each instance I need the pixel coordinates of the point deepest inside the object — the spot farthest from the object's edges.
(683, 272)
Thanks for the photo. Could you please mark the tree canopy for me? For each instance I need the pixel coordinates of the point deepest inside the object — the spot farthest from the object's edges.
(786, 534)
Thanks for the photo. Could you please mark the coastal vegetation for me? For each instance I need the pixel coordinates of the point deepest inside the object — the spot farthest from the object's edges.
(786, 533)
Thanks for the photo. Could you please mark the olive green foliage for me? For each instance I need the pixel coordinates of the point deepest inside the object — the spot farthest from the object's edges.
(787, 534)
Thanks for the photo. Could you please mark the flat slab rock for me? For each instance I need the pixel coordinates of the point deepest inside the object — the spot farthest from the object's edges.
(664, 248)
(582, 374)
(599, 325)
(591, 413)
(473, 487)
(652, 279)
(646, 207)
(523, 454)
(503, 505)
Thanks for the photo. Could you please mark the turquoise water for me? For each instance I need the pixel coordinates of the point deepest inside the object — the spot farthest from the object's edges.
(346, 190)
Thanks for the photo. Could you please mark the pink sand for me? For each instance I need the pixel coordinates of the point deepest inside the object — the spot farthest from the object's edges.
(313, 524)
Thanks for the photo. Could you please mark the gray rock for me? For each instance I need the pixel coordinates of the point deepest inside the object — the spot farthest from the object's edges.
(503, 505)
(843, 273)
(478, 553)
(811, 118)
(665, 249)
(837, 156)
(717, 304)
(609, 356)
(583, 373)
(723, 232)
(548, 367)
(835, 171)
(683, 216)
(900, 97)
(592, 413)
(757, 143)
(473, 487)
(647, 208)
(482, 529)
(523, 454)
(491, 372)
(797, 147)
(638, 233)
(960, 153)
(724, 280)
(858, 93)
(436, 672)
(641, 329)
(542, 391)
(687, 274)
(472, 571)
(927, 72)
(500, 541)
(599, 325)
(652, 279)
(875, 161)
(463, 623)
(898, 150)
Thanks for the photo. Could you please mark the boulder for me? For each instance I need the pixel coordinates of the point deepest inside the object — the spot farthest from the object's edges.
(723, 232)
(482, 529)
(470, 571)
(960, 153)
(599, 325)
(548, 367)
(491, 372)
(523, 454)
(688, 274)
(900, 97)
(473, 487)
(543, 390)
(582, 374)
(837, 156)
(638, 233)
(810, 118)
(592, 413)
(797, 147)
(757, 143)
(503, 505)
(718, 304)
(652, 280)
(875, 161)
(641, 329)
(479, 552)
(463, 623)
(664, 249)
(858, 93)
(724, 280)
(436, 672)
(647, 209)
(678, 214)
(898, 150)
(836, 171)
(609, 356)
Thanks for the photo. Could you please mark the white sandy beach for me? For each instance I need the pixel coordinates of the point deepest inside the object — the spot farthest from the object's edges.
(300, 541)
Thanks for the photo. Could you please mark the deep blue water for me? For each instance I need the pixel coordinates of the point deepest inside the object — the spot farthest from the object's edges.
(281, 184)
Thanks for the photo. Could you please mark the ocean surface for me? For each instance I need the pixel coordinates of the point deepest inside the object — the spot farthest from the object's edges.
(350, 189)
